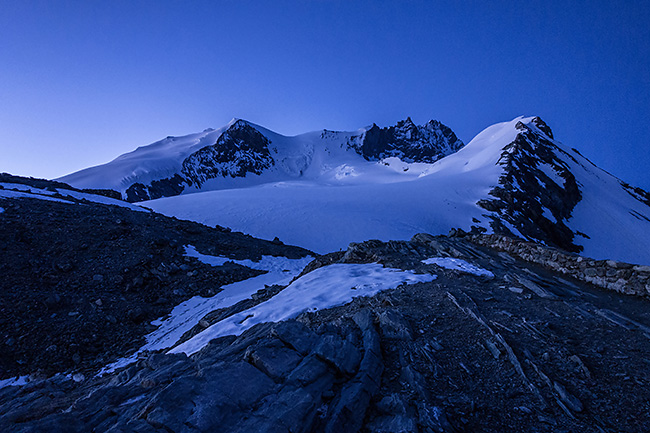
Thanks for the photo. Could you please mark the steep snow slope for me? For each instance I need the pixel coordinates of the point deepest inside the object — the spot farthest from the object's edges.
(155, 161)
(617, 224)
(513, 177)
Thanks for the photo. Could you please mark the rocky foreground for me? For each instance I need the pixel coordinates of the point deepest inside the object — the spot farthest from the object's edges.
(81, 281)
(526, 349)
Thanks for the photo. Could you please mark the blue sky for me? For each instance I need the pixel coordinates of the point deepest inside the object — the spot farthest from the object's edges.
(84, 81)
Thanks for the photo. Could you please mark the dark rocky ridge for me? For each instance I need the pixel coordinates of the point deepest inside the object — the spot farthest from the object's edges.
(407, 141)
(52, 185)
(626, 278)
(525, 189)
(240, 150)
(527, 350)
(81, 282)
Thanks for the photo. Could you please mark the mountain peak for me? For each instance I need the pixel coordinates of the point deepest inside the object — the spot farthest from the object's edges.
(535, 122)
(542, 126)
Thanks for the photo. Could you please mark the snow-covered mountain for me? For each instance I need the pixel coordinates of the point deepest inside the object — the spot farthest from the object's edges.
(222, 158)
(323, 190)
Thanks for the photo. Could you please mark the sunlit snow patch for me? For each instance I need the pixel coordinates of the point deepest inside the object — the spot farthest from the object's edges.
(458, 265)
(325, 287)
(184, 316)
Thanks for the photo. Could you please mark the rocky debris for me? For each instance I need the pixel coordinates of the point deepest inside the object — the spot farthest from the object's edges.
(86, 280)
(621, 277)
(460, 353)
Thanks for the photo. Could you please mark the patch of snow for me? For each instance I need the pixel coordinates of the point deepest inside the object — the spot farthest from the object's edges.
(16, 190)
(548, 214)
(14, 381)
(267, 263)
(552, 174)
(186, 315)
(325, 287)
(4, 193)
(1, 210)
(24, 188)
(458, 265)
(100, 199)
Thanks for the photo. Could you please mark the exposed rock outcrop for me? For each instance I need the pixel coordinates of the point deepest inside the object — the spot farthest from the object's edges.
(537, 191)
(240, 150)
(524, 350)
(621, 277)
(407, 141)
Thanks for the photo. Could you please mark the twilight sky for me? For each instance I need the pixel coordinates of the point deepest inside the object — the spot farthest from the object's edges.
(82, 82)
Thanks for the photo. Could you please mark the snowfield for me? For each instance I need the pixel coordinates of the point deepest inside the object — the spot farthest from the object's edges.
(322, 196)
(382, 200)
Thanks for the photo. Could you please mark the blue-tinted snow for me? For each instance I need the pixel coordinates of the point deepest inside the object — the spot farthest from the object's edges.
(458, 265)
(325, 287)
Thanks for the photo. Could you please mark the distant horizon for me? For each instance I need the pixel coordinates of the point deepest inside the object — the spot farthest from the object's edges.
(84, 82)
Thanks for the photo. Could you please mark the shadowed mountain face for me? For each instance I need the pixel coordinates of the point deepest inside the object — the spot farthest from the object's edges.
(408, 142)
(238, 151)
(537, 191)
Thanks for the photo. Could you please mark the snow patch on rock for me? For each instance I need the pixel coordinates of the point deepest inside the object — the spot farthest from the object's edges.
(322, 288)
(458, 265)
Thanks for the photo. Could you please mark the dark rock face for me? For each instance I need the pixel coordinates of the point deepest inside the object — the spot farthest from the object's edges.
(535, 178)
(524, 350)
(238, 151)
(408, 142)
(166, 187)
(137, 192)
